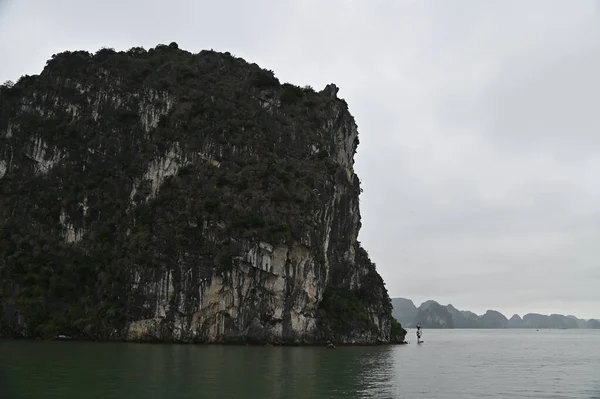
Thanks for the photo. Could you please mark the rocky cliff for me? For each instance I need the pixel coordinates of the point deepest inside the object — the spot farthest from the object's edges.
(404, 310)
(433, 315)
(536, 320)
(593, 323)
(493, 319)
(515, 322)
(463, 318)
(164, 195)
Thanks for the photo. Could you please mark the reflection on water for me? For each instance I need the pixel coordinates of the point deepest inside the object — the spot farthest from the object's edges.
(379, 374)
(451, 364)
(68, 370)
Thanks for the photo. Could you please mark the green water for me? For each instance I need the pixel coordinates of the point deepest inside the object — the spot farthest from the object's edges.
(84, 370)
(450, 364)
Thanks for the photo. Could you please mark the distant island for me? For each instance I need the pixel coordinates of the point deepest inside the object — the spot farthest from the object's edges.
(431, 314)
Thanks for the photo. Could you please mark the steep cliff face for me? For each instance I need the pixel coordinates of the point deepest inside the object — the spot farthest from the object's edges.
(164, 195)
(463, 318)
(433, 315)
(580, 323)
(536, 320)
(493, 319)
(404, 310)
(593, 323)
(515, 321)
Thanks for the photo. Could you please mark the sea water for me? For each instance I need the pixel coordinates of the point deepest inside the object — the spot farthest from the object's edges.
(449, 364)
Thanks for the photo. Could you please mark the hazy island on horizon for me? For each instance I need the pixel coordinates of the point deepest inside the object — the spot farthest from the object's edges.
(432, 314)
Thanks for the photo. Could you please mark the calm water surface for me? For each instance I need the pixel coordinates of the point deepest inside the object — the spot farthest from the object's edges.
(450, 364)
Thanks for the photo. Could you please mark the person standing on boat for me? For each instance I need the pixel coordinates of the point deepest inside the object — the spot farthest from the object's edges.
(419, 332)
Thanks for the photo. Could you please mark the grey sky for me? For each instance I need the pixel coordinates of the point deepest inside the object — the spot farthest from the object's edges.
(480, 135)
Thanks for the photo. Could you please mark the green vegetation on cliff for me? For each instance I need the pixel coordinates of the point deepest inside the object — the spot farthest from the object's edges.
(132, 182)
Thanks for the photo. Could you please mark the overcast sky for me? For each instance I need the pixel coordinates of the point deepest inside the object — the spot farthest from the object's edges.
(479, 124)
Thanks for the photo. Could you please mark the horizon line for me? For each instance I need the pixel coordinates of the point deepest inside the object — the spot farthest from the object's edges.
(494, 310)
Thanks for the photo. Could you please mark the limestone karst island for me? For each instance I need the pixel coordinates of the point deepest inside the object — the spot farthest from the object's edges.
(161, 195)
